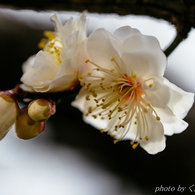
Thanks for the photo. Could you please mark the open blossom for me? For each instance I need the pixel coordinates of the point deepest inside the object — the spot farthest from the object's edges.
(125, 93)
(56, 67)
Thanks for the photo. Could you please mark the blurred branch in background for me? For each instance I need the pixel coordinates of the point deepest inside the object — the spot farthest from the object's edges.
(179, 13)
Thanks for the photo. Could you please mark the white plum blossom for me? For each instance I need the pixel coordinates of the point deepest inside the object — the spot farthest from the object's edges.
(125, 93)
(57, 66)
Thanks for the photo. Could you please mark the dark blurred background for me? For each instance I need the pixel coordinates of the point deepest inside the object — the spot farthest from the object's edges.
(84, 153)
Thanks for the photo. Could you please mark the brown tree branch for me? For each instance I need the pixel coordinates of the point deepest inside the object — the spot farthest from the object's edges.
(179, 13)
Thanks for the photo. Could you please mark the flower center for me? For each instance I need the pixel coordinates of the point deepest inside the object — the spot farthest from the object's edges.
(53, 45)
(121, 99)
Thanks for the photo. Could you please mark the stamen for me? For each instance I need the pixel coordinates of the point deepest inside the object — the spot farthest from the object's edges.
(146, 138)
(134, 146)
(82, 83)
(81, 76)
(122, 101)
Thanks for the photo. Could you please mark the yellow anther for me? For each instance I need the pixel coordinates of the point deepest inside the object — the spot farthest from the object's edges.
(90, 109)
(145, 110)
(94, 94)
(121, 126)
(131, 142)
(94, 116)
(60, 61)
(87, 98)
(150, 86)
(42, 43)
(96, 100)
(86, 61)
(92, 90)
(134, 76)
(112, 59)
(158, 118)
(115, 141)
(120, 109)
(146, 138)
(102, 118)
(81, 76)
(51, 45)
(134, 146)
(112, 70)
(103, 78)
(108, 133)
(87, 114)
(140, 138)
(101, 131)
(82, 83)
(97, 69)
(89, 73)
(50, 35)
(113, 135)
(135, 123)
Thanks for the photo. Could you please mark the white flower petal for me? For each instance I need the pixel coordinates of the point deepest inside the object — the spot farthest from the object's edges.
(28, 64)
(180, 101)
(101, 48)
(172, 124)
(45, 73)
(80, 102)
(130, 37)
(156, 142)
(144, 63)
(82, 27)
(43, 58)
(159, 96)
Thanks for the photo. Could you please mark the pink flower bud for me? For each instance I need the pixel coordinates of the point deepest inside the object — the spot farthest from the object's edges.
(40, 110)
(25, 127)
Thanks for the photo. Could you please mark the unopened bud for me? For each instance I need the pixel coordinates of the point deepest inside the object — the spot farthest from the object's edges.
(25, 127)
(40, 110)
(8, 112)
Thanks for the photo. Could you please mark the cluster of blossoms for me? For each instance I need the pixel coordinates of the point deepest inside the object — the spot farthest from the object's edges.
(123, 89)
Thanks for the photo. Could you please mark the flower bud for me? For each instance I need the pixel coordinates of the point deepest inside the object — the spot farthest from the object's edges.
(40, 110)
(8, 112)
(25, 127)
